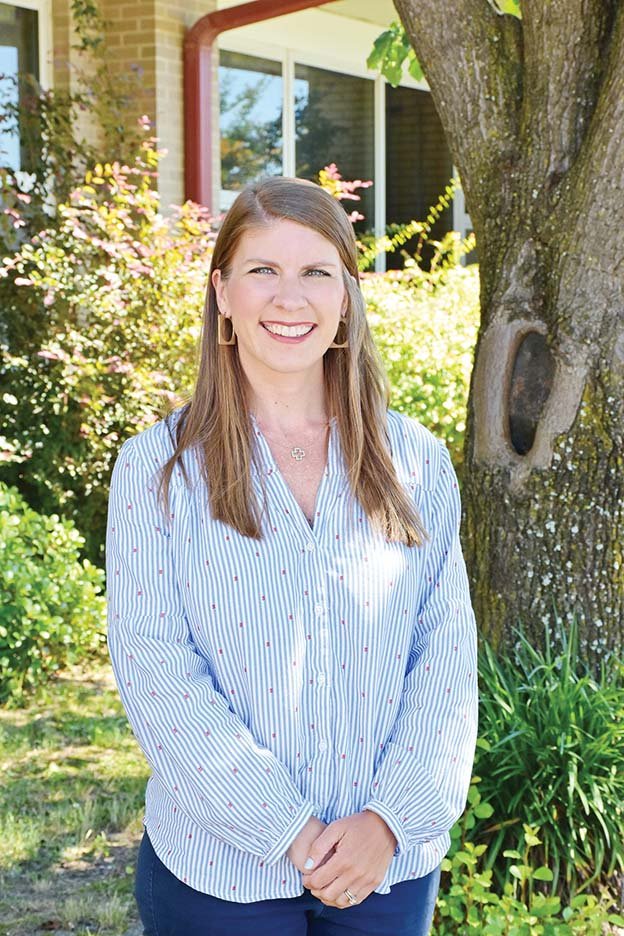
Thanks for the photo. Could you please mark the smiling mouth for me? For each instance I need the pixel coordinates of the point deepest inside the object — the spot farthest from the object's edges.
(288, 331)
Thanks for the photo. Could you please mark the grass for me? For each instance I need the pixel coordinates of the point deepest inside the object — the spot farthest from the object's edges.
(72, 783)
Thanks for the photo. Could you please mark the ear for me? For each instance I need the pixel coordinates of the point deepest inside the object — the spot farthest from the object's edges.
(219, 284)
(347, 287)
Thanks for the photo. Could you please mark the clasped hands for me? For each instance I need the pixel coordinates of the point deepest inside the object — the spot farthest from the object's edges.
(351, 854)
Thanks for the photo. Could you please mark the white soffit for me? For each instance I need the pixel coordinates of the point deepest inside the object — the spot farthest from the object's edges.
(378, 12)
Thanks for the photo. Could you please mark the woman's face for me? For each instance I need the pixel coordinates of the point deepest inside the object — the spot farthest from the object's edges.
(285, 295)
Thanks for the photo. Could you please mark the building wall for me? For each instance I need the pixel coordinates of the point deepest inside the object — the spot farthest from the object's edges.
(147, 36)
(131, 42)
(61, 43)
(172, 19)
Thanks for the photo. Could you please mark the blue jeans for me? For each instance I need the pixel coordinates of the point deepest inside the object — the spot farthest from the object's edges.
(170, 908)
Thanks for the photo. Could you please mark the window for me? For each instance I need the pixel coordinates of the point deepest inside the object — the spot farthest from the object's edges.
(250, 92)
(418, 164)
(335, 122)
(282, 116)
(19, 53)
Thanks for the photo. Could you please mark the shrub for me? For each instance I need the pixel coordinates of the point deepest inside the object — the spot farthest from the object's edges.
(116, 292)
(426, 338)
(467, 901)
(554, 757)
(52, 612)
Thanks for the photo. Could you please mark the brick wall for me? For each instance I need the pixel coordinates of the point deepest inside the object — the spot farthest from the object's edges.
(147, 35)
(61, 42)
(172, 18)
(131, 41)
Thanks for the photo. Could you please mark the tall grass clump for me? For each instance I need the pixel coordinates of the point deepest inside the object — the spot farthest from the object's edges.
(552, 756)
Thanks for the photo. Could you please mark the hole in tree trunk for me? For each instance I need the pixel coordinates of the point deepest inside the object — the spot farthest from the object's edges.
(531, 384)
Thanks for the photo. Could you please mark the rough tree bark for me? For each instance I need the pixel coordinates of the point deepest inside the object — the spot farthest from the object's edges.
(533, 110)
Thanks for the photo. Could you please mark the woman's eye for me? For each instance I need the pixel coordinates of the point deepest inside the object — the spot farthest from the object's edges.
(262, 270)
(317, 273)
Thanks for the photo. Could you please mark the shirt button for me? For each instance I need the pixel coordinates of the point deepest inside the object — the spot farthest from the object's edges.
(310, 547)
(321, 679)
(322, 746)
(319, 610)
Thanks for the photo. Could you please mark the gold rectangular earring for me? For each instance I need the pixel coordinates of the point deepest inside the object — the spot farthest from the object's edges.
(221, 339)
(345, 343)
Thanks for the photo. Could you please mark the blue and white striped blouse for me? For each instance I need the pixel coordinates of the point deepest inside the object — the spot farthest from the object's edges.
(321, 671)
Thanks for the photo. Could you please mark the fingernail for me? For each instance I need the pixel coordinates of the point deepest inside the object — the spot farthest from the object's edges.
(309, 864)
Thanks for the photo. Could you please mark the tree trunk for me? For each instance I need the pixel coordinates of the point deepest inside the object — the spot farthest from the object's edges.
(534, 114)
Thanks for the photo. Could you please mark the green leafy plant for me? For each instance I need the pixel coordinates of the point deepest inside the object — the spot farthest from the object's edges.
(446, 254)
(332, 181)
(391, 52)
(52, 611)
(426, 335)
(552, 756)
(115, 293)
(469, 901)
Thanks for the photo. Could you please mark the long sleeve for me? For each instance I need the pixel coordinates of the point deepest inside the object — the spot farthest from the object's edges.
(422, 779)
(203, 754)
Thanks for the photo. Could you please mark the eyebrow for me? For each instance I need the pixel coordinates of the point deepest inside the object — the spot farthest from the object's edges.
(316, 263)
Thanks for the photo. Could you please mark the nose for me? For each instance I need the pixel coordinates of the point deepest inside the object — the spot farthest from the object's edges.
(289, 294)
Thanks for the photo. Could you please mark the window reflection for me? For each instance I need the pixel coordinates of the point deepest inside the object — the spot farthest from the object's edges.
(19, 54)
(250, 92)
(334, 122)
(418, 165)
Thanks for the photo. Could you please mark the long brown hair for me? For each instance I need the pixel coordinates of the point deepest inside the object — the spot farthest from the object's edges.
(216, 417)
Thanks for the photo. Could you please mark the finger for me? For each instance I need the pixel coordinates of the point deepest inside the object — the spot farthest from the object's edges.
(357, 889)
(360, 890)
(334, 892)
(328, 839)
(325, 858)
(325, 873)
(305, 878)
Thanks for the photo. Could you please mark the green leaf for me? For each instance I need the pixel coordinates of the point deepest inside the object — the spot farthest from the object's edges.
(415, 69)
(390, 50)
(381, 47)
(510, 6)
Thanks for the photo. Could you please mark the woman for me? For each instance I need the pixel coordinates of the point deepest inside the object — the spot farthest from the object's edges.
(289, 616)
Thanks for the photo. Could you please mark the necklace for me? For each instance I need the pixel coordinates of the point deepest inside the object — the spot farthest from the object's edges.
(296, 451)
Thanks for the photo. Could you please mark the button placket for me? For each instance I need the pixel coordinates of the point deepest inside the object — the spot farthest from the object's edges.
(320, 661)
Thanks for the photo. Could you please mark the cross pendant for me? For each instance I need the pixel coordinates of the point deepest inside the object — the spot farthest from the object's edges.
(297, 453)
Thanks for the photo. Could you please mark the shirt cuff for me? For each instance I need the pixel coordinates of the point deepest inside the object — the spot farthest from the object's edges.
(392, 822)
(289, 834)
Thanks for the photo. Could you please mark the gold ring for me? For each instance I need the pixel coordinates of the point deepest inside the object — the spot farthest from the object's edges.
(351, 897)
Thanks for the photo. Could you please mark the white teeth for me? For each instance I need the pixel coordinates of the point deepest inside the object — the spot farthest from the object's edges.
(289, 331)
